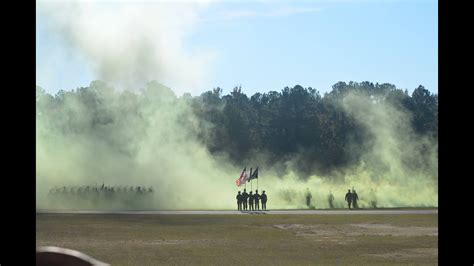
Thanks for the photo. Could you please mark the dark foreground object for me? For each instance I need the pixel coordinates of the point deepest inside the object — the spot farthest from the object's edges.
(56, 256)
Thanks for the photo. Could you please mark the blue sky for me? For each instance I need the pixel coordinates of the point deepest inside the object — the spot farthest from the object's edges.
(266, 46)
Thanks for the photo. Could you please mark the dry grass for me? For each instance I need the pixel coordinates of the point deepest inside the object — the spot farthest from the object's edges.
(244, 239)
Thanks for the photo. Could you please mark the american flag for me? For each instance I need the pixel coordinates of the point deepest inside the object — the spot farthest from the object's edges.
(243, 178)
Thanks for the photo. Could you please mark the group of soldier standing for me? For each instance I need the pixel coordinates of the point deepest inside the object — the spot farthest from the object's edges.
(352, 198)
(251, 202)
(101, 196)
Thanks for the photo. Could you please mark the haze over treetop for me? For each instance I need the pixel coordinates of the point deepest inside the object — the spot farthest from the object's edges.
(371, 136)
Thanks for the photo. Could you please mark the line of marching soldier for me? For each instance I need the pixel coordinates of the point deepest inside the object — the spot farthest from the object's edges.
(251, 202)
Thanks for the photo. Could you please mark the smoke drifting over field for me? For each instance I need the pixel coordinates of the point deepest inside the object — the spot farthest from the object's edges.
(150, 144)
(148, 138)
(128, 44)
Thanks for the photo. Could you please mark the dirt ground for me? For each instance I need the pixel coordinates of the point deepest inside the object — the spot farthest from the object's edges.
(243, 239)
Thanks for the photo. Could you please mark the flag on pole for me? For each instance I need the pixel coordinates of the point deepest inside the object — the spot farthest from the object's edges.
(243, 178)
(254, 175)
(246, 177)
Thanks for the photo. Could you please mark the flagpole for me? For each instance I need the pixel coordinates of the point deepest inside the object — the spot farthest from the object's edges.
(257, 178)
(250, 176)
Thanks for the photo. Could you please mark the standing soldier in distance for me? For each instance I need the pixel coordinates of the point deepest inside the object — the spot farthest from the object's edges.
(239, 201)
(373, 199)
(257, 200)
(355, 198)
(245, 197)
(251, 201)
(264, 201)
(349, 198)
(308, 198)
(331, 200)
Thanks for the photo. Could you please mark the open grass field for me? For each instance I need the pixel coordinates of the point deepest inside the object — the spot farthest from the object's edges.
(149, 239)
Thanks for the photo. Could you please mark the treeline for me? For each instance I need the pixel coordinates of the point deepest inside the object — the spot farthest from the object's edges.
(295, 123)
(298, 123)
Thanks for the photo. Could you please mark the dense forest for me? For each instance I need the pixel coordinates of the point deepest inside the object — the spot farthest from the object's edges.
(295, 123)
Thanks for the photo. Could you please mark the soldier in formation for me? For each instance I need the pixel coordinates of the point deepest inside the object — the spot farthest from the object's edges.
(245, 197)
(251, 201)
(101, 196)
(239, 201)
(257, 200)
(263, 197)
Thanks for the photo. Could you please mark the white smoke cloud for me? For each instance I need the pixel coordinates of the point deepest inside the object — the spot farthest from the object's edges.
(129, 44)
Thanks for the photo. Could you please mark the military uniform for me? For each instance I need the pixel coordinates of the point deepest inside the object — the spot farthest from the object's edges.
(264, 200)
(245, 197)
(349, 198)
(239, 201)
(251, 198)
(257, 200)
(355, 198)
